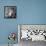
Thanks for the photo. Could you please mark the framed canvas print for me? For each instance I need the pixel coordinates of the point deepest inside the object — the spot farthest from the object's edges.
(32, 32)
(10, 11)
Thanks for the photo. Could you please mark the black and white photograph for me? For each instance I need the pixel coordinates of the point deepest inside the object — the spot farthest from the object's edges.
(31, 34)
(10, 11)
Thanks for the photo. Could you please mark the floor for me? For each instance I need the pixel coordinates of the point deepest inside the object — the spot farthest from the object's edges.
(30, 43)
(7, 45)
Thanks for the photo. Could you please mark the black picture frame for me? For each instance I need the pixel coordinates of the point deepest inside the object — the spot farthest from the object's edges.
(10, 12)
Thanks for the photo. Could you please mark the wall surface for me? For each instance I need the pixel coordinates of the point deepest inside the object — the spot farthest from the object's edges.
(28, 12)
